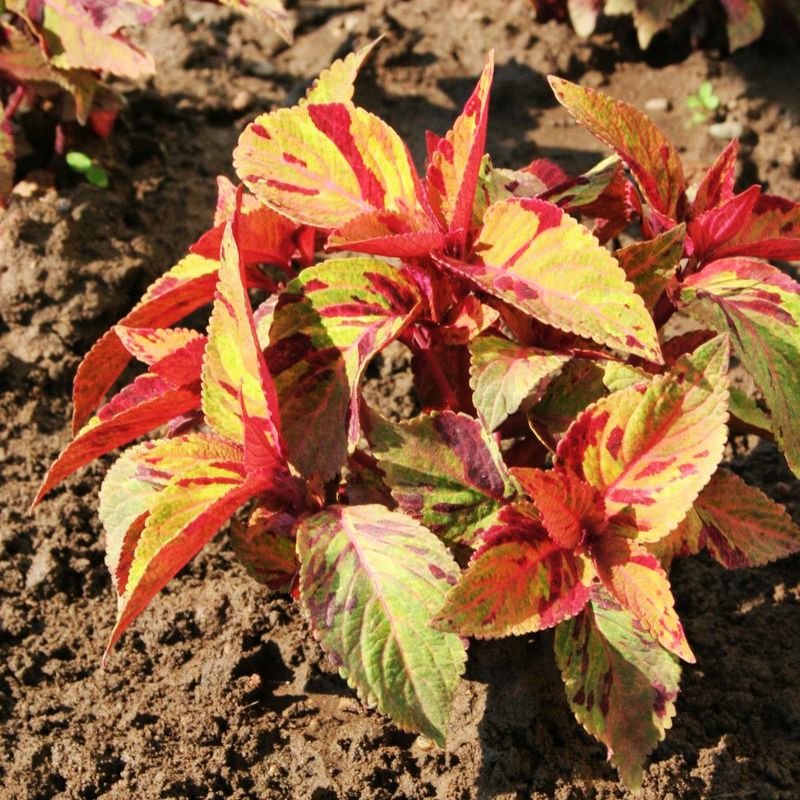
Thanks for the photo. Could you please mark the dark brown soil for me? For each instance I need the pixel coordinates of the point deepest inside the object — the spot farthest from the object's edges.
(219, 690)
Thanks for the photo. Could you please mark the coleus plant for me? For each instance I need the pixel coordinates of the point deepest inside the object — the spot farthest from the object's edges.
(55, 49)
(745, 18)
(576, 400)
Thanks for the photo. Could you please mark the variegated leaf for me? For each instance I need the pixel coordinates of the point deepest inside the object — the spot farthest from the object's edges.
(687, 539)
(266, 547)
(575, 388)
(443, 469)
(151, 345)
(541, 261)
(636, 579)
(454, 166)
(372, 580)
(170, 388)
(760, 307)
(770, 229)
(504, 375)
(650, 265)
(325, 165)
(185, 288)
(76, 42)
(329, 323)
(620, 683)
(206, 484)
(742, 526)
(650, 156)
(745, 22)
(571, 509)
(519, 581)
(336, 84)
(654, 447)
(7, 157)
(238, 399)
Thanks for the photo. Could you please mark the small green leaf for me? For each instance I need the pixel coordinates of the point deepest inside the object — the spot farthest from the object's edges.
(78, 162)
(97, 176)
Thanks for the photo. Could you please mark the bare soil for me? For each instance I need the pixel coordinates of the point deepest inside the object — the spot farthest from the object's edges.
(219, 690)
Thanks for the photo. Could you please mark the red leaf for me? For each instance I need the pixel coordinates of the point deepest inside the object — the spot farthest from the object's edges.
(571, 509)
(185, 288)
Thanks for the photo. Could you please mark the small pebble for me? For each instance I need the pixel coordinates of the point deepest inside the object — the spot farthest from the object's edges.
(242, 101)
(730, 129)
(63, 205)
(658, 104)
(424, 743)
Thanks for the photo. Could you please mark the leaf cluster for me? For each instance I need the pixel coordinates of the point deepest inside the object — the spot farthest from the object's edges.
(745, 18)
(60, 51)
(576, 399)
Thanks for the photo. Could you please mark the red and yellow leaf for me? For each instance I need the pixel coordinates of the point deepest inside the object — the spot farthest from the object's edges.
(76, 42)
(239, 399)
(653, 447)
(519, 581)
(185, 288)
(330, 321)
(745, 22)
(371, 580)
(716, 186)
(198, 499)
(650, 265)
(325, 165)
(760, 307)
(266, 547)
(504, 375)
(454, 166)
(151, 345)
(170, 388)
(650, 156)
(336, 84)
(620, 683)
(541, 261)
(742, 527)
(636, 579)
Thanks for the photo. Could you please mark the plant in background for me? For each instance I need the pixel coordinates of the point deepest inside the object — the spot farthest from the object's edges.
(745, 18)
(58, 51)
(703, 103)
(571, 438)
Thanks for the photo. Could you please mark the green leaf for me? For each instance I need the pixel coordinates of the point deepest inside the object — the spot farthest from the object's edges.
(620, 683)
(371, 580)
(443, 469)
(504, 375)
(97, 176)
(760, 307)
(78, 162)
